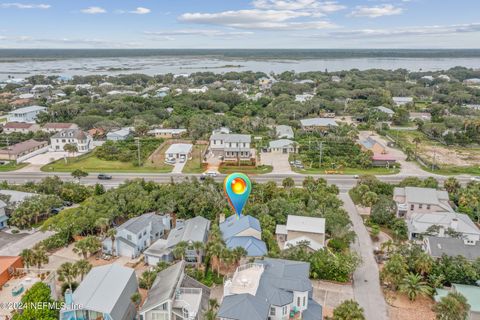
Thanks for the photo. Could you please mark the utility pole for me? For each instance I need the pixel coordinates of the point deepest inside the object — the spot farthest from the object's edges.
(138, 151)
(434, 156)
(321, 153)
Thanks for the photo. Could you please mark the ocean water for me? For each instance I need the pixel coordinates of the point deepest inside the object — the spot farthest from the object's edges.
(27, 62)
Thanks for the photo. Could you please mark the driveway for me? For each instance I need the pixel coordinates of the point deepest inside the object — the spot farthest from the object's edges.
(278, 161)
(178, 167)
(25, 242)
(330, 294)
(7, 239)
(38, 161)
(366, 283)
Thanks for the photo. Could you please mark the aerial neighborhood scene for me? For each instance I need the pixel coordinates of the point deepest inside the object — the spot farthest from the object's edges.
(240, 160)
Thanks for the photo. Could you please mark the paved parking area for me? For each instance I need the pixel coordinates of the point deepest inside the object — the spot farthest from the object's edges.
(279, 162)
(13, 246)
(9, 238)
(38, 161)
(331, 294)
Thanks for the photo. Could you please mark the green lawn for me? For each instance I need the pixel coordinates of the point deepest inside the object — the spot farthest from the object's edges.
(11, 166)
(90, 163)
(194, 165)
(245, 169)
(359, 171)
(451, 170)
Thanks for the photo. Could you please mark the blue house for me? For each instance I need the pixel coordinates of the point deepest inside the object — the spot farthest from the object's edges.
(3, 215)
(244, 232)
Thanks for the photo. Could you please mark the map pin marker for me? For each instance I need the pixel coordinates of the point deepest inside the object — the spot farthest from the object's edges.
(237, 187)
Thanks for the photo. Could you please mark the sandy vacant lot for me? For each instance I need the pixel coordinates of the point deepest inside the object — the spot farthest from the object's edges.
(400, 308)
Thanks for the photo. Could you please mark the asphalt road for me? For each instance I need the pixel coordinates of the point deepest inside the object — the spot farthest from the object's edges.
(366, 283)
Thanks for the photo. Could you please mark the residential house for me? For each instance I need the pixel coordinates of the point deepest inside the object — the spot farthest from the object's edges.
(472, 82)
(471, 293)
(179, 150)
(402, 101)
(424, 116)
(105, 293)
(8, 264)
(137, 234)
(370, 144)
(20, 127)
(282, 146)
(53, 127)
(284, 132)
(383, 160)
(318, 124)
(386, 110)
(336, 79)
(16, 197)
(167, 133)
(303, 97)
(436, 247)
(446, 223)
(231, 146)
(77, 137)
(245, 232)
(26, 114)
(23, 150)
(301, 229)
(3, 215)
(270, 289)
(420, 200)
(119, 135)
(475, 107)
(190, 231)
(175, 295)
(203, 89)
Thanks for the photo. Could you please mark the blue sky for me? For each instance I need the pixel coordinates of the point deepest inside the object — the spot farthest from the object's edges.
(239, 24)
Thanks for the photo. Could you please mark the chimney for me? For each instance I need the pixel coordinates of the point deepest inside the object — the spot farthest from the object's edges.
(454, 224)
(221, 219)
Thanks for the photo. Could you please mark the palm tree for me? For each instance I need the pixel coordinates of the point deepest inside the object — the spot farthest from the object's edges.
(413, 285)
(211, 313)
(215, 250)
(423, 264)
(454, 306)
(70, 148)
(102, 224)
(83, 267)
(27, 257)
(348, 310)
(40, 256)
(67, 273)
(388, 246)
(112, 233)
(136, 298)
(82, 248)
(179, 250)
(198, 246)
(238, 253)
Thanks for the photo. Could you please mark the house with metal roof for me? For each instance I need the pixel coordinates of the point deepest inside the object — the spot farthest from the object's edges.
(446, 222)
(282, 146)
(175, 295)
(119, 135)
(284, 132)
(471, 293)
(301, 229)
(318, 124)
(167, 133)
(270, 289)
(26, 114)
(401, 101)
(137, 234)
(105, 293)
(179, 150)
(436, 247)
(411, 200)
(386, 110)
(245, 232)
(189, 231)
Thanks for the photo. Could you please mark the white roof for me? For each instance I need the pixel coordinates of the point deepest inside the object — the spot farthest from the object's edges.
(17, 196)
(306, 224)
(28, 109)
(181, 148)
(284, 131)
(153, 131)
(402, 99)
(281, 229)
(419, 222)
(281, 143)
(321, 122)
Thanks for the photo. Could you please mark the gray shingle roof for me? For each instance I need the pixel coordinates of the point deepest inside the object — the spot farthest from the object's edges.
(419, 222)
(231, 137)
(194, 229)
(319, 122)
(70, 133)
(137, 224)
(243, 307)
(28, 109)
(453, 247)
(164, 286)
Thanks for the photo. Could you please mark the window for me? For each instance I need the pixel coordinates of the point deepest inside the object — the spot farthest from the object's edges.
(298, 302)
(284, 310)
(272, 311)
(428, 207)
(129, 237)
(145, 232)
(412, 207)
(304, 298)
(420, 206)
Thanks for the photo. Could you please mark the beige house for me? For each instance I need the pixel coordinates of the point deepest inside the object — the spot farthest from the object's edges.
(301, 229)
(411, 200)
(20, 127)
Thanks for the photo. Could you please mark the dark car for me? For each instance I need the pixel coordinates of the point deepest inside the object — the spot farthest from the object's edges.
(103, 176)
(56, 210)
(67, 203)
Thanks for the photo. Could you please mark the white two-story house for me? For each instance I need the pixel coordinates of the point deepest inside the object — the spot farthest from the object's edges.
(270, 289)
(411, 200)
(26, 114)
(175, 295)
(137, 234)
(77, 137)
(231, 146)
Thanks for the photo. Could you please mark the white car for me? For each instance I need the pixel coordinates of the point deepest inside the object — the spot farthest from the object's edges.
(475, 179)
(210, 174)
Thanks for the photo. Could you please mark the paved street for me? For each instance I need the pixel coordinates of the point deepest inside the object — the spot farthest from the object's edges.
(366, 284)
(26, 242)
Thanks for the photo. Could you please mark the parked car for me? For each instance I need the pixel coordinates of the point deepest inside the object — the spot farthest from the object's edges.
(182, 160)
(67, 203)
(103, 176)
(208, 174)
(56, 210)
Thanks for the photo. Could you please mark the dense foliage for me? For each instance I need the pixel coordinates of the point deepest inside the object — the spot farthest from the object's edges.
(127, 150)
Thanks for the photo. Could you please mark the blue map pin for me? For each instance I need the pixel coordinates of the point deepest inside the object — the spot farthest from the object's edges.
(237, 188)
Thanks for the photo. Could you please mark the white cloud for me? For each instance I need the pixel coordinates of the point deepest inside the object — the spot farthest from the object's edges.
(197, 32)
(408, 31)
(18, 5)
(257, 19)
(141, 10)
(93, 10)
(314, 6)
(376, 11)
